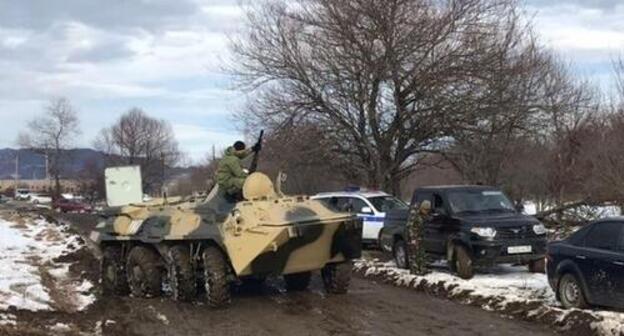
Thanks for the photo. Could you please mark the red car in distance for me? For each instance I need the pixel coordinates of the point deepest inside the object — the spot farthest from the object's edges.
(67, 205)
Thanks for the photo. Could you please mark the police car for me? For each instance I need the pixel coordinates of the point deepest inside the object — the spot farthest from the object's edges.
(371, 206)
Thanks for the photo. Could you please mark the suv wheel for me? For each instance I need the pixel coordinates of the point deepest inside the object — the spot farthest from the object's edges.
(463, 262)
(144, 272)
(537, 266)
(336, 277)
(571, 292)
(297, 282)
(400, 254)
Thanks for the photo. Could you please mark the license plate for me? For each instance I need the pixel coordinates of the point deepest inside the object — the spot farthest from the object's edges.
(519, 249)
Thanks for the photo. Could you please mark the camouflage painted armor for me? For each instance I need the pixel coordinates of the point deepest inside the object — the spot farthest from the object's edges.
(268, 233)
(415, 242)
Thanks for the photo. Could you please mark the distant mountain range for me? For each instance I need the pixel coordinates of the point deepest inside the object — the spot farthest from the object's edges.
(32, 165)
(76, 161)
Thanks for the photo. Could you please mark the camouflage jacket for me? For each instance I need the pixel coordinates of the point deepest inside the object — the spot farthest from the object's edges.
(417, 257)
(230, 173)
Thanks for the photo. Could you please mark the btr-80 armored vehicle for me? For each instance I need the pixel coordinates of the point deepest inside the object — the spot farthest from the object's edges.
(208, 243)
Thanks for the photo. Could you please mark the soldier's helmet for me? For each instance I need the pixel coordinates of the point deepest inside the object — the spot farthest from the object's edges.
(425, 207)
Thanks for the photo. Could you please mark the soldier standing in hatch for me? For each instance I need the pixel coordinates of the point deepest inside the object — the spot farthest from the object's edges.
(230, 173)
(415, 238)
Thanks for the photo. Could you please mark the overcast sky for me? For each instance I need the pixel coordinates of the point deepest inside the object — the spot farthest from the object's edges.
(166, 56)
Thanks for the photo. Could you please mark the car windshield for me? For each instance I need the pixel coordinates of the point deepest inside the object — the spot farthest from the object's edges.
(477, 201)
(387, 203)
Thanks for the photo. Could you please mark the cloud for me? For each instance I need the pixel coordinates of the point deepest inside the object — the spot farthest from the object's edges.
(587, 34)
(595, 4)
(568, 26)
(164, 56)
(113, 14)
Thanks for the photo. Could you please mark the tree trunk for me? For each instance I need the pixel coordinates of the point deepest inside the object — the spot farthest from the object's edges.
(57, 185)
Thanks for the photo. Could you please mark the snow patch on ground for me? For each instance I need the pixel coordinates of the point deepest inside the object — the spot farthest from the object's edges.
(60, 328)
(29, 275)
(502, 287)
(8, 320)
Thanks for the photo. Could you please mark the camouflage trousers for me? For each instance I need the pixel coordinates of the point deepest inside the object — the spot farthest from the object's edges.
(417, 257)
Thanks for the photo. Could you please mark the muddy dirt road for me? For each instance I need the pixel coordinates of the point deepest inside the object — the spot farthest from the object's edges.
(369, 309)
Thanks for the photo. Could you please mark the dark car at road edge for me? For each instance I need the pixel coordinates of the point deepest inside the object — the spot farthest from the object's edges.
(587, 268)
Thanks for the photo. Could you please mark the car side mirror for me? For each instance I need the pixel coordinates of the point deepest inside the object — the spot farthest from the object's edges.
(367, 210)
(520, 207)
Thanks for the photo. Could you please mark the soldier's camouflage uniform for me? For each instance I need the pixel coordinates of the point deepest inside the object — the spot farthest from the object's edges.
(415, 242)
(230, 173)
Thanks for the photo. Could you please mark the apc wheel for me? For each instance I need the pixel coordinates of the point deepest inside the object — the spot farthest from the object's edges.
(537, 266)
(144, 272)
(463, 263)
(571, 293)
(399, 251)
(113, 272)
(337, 277)
(297, 282)
(215, 278)
(181, 274)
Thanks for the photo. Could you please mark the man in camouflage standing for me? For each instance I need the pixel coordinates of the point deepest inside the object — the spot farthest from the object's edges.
(415, 238)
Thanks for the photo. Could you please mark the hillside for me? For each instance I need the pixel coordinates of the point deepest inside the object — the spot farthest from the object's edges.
(32, 165)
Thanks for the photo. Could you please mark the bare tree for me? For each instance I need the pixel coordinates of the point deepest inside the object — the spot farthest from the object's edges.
(52, 133)
(383, 80)
(304, 154)
(199, 178)
(138, 139)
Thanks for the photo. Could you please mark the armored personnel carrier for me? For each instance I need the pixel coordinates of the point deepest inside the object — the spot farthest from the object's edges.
(205, 244)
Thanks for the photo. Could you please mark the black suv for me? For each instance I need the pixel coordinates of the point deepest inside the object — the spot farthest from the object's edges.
(469, 226)
(588, 267)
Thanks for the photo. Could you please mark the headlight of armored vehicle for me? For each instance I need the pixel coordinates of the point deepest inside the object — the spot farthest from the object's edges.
(539, 229)
(485, 232)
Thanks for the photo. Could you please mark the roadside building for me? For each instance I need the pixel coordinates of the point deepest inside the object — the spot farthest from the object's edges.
(43, 185)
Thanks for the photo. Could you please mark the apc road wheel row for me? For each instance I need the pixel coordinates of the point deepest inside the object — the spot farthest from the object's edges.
(113, 272)
(215, 278)
(142, 272)
(181, 274)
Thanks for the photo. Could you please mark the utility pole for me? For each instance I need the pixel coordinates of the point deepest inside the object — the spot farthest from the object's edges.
(214, 153)
(16, 171)
(163, 187)
(47, 167)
